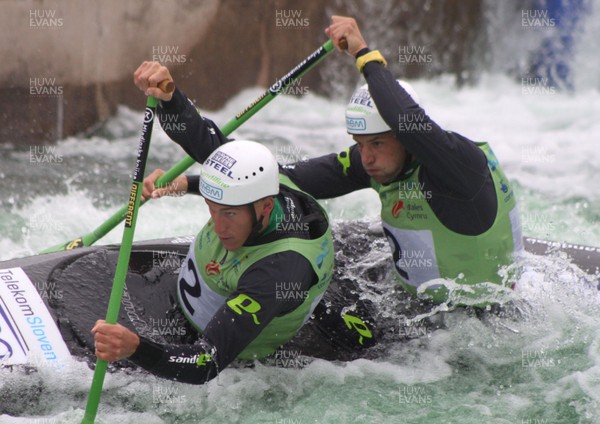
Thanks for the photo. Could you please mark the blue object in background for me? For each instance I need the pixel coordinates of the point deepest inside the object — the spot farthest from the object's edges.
(552, 60)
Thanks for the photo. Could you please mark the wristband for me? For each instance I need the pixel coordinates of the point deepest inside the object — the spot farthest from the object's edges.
(369, 57)
(193, 182)
(362, 52)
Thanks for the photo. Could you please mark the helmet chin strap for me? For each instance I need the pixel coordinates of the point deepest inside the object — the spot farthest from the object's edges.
(257, 226)
(409, 165)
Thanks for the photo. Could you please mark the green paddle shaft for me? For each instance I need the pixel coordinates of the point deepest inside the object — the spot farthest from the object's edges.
(298, 71)
(116, 294)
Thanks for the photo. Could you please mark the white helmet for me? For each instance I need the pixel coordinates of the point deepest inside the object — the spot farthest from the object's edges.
(362, 116)
(239, 173)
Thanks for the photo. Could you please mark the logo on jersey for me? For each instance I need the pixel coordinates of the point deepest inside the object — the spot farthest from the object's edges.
(325, 250)
(237, 264)
(197, 359)
(203, 359)
(212, 268)
(245, 304)
(397, 208)
(358, 325)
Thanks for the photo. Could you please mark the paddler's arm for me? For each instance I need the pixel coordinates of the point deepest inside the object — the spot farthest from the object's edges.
(452, 161)
(113, 341)
(330, 175)
(227, 334)
(198, 136)
(180, 186)
(236, 324)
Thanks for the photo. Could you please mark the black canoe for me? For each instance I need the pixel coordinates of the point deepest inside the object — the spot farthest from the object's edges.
(75, 287)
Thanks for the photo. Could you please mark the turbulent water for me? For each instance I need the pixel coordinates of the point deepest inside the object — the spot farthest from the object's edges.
(539, 366)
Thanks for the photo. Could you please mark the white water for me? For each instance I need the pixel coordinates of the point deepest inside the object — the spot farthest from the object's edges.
(542, 368)
(546, 142)
(548, 370)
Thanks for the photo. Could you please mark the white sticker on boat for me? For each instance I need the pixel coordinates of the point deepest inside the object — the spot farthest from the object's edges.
(28, 334)
(515, 224)
(183, 240)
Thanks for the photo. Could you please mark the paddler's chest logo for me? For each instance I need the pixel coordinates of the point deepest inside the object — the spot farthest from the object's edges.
(212, 268)
(397, 208)
(222, 163)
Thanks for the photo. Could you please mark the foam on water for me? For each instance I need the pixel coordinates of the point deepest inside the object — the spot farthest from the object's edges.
(539, 363)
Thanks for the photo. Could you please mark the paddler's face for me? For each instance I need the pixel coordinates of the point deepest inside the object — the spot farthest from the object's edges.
(381, 155)
(233, 224)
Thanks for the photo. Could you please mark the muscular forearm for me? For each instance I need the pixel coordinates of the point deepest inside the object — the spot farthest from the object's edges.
(194, 364)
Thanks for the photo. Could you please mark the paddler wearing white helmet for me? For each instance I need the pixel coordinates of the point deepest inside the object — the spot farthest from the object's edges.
(362, 115)
(382, 161)
(447, 208)
(252, 277)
